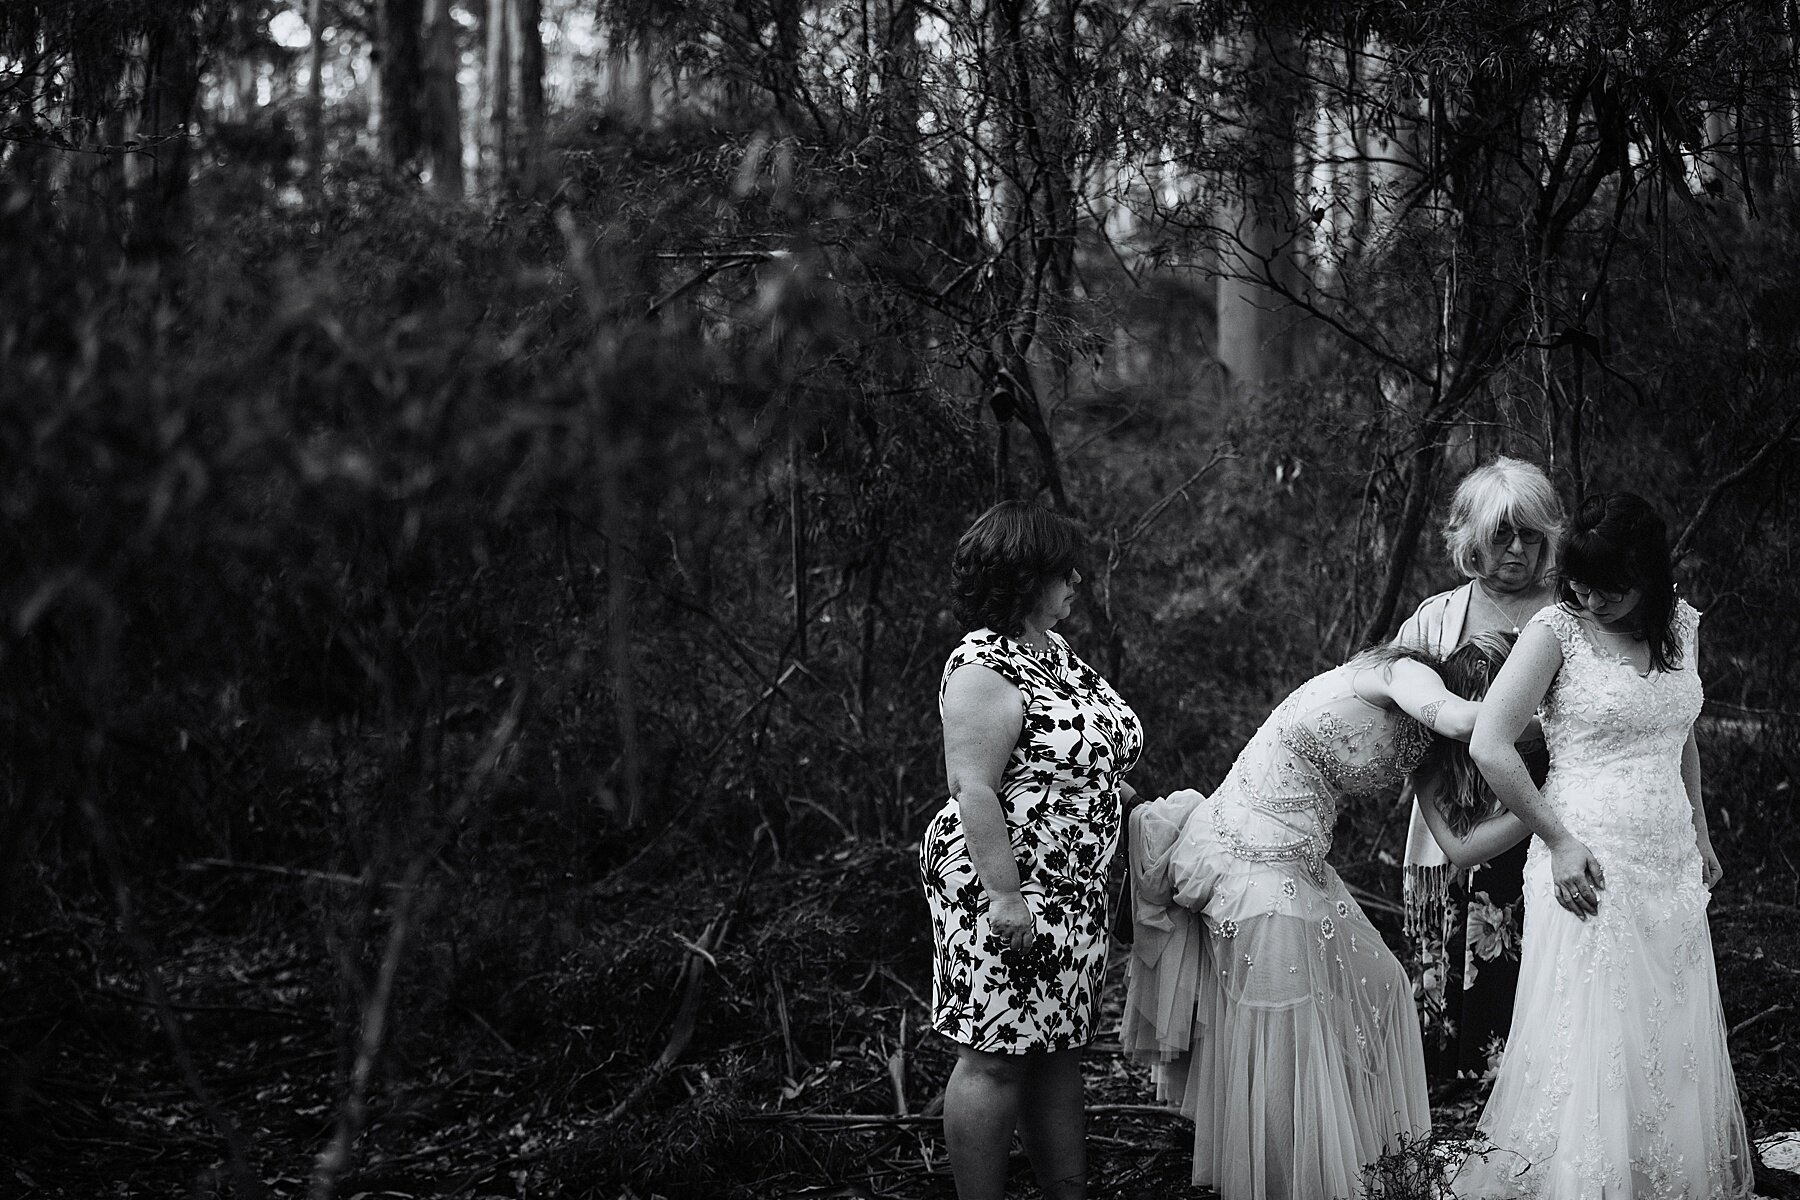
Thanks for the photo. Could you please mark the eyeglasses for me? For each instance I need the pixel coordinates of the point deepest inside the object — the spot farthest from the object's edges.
(1583, 593)
(1504, 534)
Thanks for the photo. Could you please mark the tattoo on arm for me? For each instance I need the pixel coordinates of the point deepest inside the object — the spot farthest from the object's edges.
(1429, 713)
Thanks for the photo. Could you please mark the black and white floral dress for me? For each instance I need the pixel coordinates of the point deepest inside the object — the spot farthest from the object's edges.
(1060, 798)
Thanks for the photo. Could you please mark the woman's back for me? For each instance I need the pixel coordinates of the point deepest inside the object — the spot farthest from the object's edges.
(1279, 801)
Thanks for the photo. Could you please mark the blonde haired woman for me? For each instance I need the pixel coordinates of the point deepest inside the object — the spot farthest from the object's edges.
(1502, 533)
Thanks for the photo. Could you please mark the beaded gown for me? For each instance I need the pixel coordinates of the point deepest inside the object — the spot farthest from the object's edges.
(1616, 1083)
(1280, 1022)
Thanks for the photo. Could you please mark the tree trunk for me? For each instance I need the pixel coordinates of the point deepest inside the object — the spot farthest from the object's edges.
(400, 69)
(526, 33)
(1258, 339)
(629, 74)
(315, 98)
(169, 91)
(1420, 480)
(441, 111)
(783, 60)
(899, 72)
(1055, 86)
(497, 114)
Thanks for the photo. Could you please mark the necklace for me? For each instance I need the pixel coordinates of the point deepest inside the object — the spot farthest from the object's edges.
(1511, 621)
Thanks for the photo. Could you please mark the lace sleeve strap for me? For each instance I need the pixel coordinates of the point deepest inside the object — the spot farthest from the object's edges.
(1561, 622)
(1687, 623)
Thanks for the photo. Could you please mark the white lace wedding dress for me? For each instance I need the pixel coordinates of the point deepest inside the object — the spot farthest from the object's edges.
(1616, 1084)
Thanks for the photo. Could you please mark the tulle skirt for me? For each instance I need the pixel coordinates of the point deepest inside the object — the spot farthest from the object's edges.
(1279, 1021)
(1616, 1083)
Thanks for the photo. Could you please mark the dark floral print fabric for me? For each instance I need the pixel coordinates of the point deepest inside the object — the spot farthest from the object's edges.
(1466, 994)
(1060, 797)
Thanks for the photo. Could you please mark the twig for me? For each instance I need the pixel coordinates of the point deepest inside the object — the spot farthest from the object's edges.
(1747, 1022)
(883, 1120)
(1771, 907)
(492, 1032)
(1738, 476)
(705, 273)
(1369, 899)
(693, 975)
(412, 1156)
(1220, 454)
(179, 1006)
(896, 1069)
(334, 1159)
(225, 864)
(238, 1150)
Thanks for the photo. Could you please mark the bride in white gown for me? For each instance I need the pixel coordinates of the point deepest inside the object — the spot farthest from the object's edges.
(1616, 1083)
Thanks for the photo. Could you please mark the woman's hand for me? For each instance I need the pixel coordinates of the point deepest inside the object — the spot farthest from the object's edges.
(1578, 877)
(1010, 919)
(1710, 870)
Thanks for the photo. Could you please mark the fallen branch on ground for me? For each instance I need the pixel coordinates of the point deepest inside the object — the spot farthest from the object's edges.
(1747, 1022)
(225, 864)
(693, 975)
(856, 1120)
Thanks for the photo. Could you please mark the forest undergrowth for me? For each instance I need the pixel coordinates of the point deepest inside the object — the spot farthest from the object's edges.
(682, 1028)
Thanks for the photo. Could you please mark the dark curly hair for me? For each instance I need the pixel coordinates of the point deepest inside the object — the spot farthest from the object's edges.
(1617, 542)
(1005, 560)
(1467, 671)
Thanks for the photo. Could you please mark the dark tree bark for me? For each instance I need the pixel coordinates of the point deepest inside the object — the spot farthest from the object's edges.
(497, 109)
(400, 67)
(1258, 339)
(164, 114)
(527, 39)
(315, 97)
(441, 110)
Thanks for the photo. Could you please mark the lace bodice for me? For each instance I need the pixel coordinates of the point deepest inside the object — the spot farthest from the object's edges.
(1615, 740)
(1280, 800)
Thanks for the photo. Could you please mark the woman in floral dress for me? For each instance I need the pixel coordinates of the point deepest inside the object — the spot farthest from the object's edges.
(1279, 1021)
(1616, 1083)
(1036, 745)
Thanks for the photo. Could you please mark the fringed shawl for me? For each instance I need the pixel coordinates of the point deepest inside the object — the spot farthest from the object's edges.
(1436, 628)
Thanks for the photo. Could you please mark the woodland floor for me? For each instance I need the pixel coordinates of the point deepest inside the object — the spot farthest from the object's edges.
(522, 1061)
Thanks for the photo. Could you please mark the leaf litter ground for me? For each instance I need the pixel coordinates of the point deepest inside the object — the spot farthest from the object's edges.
(689, 1027)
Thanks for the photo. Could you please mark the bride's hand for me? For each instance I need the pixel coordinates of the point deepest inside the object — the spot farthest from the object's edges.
(1578, 878)
(1710, 870)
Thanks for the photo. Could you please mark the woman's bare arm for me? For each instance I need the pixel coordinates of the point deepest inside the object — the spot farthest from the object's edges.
(983, 714)
(1419, 692)
(1505, 715)
(1711, 871)
(1489, 837)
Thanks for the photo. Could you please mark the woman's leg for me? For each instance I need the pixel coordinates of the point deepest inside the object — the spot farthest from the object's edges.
(1053, 1124)
(981, 1109)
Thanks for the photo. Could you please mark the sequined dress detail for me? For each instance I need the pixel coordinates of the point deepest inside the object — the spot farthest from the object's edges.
(1279, 1021)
